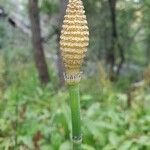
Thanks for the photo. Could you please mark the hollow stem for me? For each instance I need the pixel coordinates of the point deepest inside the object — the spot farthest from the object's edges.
(75, 115)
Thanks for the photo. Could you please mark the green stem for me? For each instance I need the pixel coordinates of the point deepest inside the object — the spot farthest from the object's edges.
(75, 115)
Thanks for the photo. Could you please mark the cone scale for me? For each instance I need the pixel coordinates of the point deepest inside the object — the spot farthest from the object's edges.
(74, 40)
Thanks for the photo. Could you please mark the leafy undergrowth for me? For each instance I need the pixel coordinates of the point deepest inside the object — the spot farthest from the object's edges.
(33, 117)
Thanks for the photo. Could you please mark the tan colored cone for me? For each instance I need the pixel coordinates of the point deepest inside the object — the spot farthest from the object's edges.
(74, 40)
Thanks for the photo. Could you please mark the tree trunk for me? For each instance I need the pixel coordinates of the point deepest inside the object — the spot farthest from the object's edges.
(59, 62)
(115, 44)
(39, 57)
(62, 8)
(111, 57)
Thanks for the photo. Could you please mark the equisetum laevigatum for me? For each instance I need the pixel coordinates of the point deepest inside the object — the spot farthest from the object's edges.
(74, 40)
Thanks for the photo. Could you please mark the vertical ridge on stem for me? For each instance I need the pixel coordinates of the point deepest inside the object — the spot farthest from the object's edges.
(75, 113)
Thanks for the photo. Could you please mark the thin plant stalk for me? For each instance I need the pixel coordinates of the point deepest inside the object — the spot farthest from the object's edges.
(75, 115)
(74, 41)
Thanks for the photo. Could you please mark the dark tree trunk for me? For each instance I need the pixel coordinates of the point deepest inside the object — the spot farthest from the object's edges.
(122, 58)
(59, 61)
(115, 45)
(39, 57)
(111, 54)
(112, 4)
(62, 8)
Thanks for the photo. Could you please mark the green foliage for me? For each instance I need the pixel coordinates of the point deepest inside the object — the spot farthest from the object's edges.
(49, 6)
(107, 122)
(31, 114)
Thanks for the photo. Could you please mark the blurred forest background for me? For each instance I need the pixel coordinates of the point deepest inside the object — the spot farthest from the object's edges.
(115, 89)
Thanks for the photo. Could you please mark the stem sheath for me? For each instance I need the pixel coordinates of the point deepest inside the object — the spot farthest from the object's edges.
(75, 115)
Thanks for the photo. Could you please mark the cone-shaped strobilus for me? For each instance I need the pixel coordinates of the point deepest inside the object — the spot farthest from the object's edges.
(74, 40)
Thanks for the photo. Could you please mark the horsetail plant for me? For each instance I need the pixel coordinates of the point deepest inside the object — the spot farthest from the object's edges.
(74, 40)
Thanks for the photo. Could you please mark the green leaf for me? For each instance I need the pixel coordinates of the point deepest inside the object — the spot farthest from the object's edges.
(143, 140)
(113, 138)
(86, 97)
(65, 146)
(87, 147)
(125, 145)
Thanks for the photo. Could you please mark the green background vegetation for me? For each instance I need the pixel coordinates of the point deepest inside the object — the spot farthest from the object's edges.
(115, 114)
